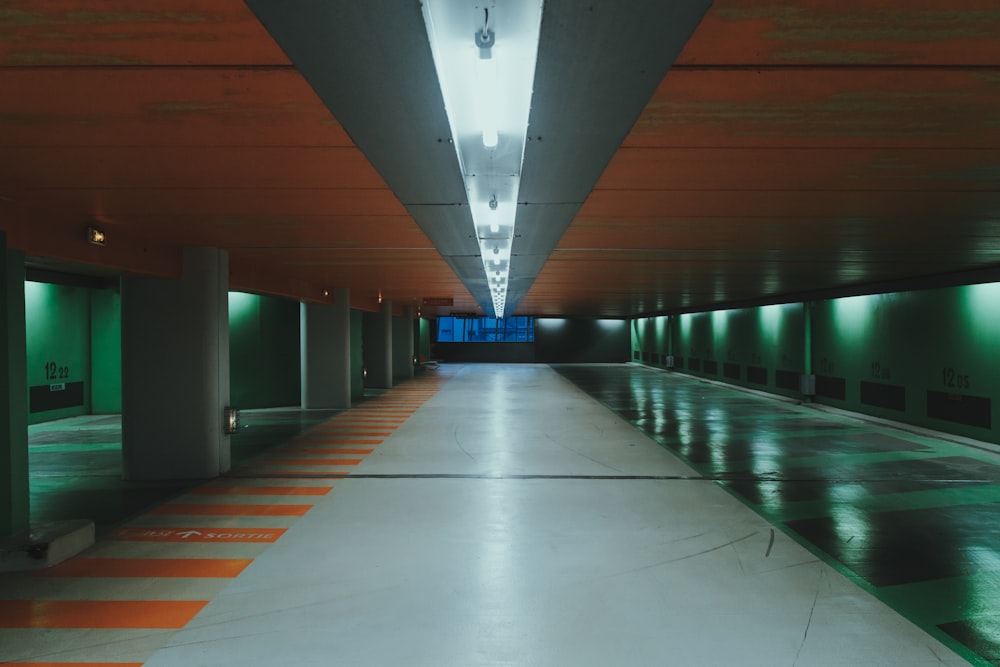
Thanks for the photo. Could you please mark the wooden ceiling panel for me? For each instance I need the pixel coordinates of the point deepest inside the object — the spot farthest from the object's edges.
(855, 32)
(127, 33)
(794, 146)
(103, 168)
(181, 122)
(817, 169)
(731, 200)
(822, 107)
(163, 106)
(232, 205)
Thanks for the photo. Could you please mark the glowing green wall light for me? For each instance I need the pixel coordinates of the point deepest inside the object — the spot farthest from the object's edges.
(720, 322)
(854, 315)
(243, 305)
(770, 322)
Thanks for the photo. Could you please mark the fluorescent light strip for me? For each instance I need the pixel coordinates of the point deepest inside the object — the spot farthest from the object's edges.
(485, 61)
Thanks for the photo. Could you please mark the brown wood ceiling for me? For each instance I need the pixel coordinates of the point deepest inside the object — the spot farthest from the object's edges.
(794, 146)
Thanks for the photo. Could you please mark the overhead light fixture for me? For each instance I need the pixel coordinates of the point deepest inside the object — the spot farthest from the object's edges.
(485, 61)
(486, 73)
(95, 236)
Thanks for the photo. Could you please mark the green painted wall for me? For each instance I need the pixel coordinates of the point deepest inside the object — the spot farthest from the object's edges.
(650, 340)
(264, 351)
(926, 357)
(768, 339)
(357, 356)
(422, 339)
(57, 322)
(106, 351)
(941, 340)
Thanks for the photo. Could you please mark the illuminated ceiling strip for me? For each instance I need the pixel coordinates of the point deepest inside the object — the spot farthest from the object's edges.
(485, 61)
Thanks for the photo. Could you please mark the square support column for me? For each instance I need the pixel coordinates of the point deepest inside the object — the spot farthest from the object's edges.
(402, 345)
(14, 490)
(175, 371)
(326, 352)
(378, 346)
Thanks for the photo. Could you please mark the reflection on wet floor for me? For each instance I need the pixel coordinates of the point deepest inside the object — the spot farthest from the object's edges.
(75, 464)
(909, 517)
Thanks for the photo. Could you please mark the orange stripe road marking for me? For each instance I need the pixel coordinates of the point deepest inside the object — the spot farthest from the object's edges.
(325, 450)
(273, 490)
(305, 461)
(326, 433)
(388, 419)
(146, 614)
(324, 429)
(402, 415)
(369, 416)
(157, 534)
(341, 441)
(321, 474)
(231, 510)
(72, 664)
(223, 568)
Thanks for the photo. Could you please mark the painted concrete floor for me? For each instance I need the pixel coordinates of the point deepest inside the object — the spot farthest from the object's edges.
(76, 472)
(500, 515)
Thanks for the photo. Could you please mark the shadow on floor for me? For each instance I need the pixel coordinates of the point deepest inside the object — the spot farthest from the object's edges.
(75, 464)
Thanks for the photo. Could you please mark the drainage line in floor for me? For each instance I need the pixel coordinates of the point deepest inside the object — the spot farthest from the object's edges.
(700, 478)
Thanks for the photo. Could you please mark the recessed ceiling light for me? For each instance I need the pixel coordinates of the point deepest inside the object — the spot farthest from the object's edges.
(485, 60)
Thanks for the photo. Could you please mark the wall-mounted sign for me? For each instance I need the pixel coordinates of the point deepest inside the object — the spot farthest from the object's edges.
(439, 301)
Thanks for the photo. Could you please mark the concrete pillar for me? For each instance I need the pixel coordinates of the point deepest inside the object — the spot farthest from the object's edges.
(402, 345)
(326, 352)
(175, 371)
(378, 346)
(14, 510)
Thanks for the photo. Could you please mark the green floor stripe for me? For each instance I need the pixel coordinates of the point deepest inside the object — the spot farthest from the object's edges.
(945, 600)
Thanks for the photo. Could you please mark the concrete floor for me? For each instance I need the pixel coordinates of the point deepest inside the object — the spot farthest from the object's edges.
(487, 515)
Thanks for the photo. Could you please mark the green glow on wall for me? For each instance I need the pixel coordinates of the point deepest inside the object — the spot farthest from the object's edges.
(853, 315)
(770, 321)
(982, 308)
(552, 323)
(36, 295)
(242, 305)
(871, 352)
(720, 322)
(611, 325)
(685, 323)
(660, 325)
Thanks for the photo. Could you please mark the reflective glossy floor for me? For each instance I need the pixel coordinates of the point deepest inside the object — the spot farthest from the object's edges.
(500, 515)
(911, 518)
